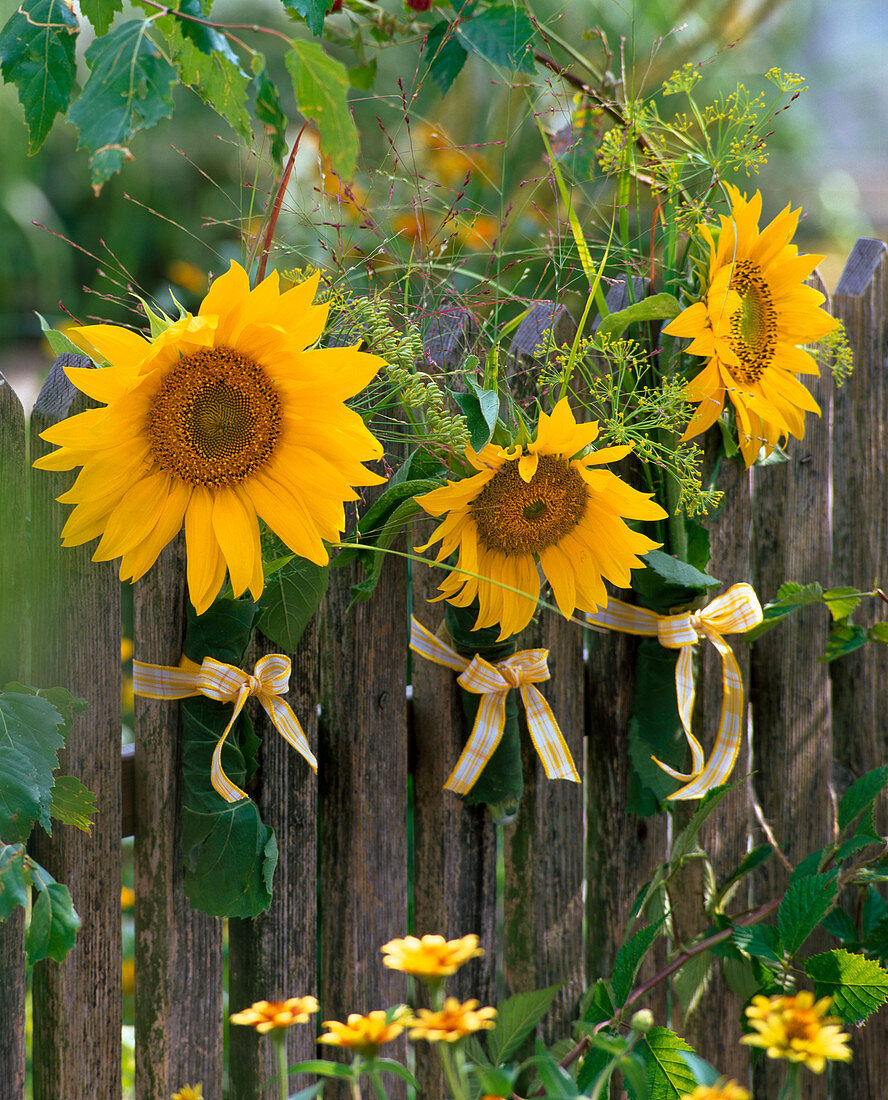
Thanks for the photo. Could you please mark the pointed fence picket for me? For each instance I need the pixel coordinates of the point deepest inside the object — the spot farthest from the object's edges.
(374, 843)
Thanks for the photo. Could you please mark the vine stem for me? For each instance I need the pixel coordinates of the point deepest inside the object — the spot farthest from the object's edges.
(162, 10)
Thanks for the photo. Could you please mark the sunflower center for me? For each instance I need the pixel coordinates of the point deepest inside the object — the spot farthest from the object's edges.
(520, 517)
(753, 337)
(215, 419)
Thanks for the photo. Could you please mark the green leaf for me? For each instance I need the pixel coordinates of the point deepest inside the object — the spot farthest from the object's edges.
(322, 1067)
(312, 11)
(684, 843)
(101, 13)
(704, 1073)
(217, 78)
(289, 601)
(30, 739)
(37, 47)
(58, 341)
(556, 1082)
(858, 985)
(72, 803)
(861, 795)
(840, 925)
(389, 1065)
(805, 903)
(53, 926)
(207, 39)
(363, 77)
(320, 84)
(628, 960)
(873, 911)
(372, 525)
(750, 861)
(444, 54)
(761, 941)
(844, 638)
(593, 1065)
(676, 572)
(501, 35)
(692, 980)
(878, 632)
(658, 307)
(669, 1077)
(516, 1017)
(841, 601)
(397, 521)
(481, 409)
(267, 108)
(597, 1005)
(655, 728)
(790, 597)
(129, 89)
(14, 878)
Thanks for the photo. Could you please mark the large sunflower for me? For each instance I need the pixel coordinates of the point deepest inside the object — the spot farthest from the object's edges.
(223, 418)
(541, 503)
(755, 314)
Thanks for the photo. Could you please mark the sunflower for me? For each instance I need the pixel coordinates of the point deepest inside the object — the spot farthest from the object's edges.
(797, 1029)
(224, 417)
(545, 503)
(755, 314)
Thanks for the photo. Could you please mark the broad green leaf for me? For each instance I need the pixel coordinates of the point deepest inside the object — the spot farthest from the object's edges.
(58, 341)
(841, 601)
(875, 939)
(861, 795)
(389, 1065)
(597, 1005)
(878, 632)
(218, 80)
(101, 13)
(790, 597)
(750, 861)
(14, 878)
(858, 985)
(635, 1078)
(759, 940)
(805, 904)
(684, 843)
(53, 926)
(840, 925)
(267, 108)
(30, 739)
(320, 84)
(844, 638)
(372, 524)
(396, 522)
(363, 77)
(704, 1073)
(129, 89)
(628, 960)
(655, 728)
(659, 307)
(72, 803)
(312, 11)
(678, 572)
(516, 1017)
(207, 39)
(501, 35)
(444, 54)
(289, 601)
(481, 409)
(692, 980)
(591, 1068)
(37, 55)
(669, 1077)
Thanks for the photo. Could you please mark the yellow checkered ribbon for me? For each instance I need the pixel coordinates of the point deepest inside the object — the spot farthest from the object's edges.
(493, 683)
(228, 684)
(734, 612)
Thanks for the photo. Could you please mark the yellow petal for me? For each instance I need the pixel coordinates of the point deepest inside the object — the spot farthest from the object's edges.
(237, 532)
(205, 563)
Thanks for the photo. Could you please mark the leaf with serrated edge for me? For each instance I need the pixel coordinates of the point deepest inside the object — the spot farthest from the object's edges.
(53, 926)
(669, 1077)
(500, 35)
(628, 960)
(30, 739)
(861, 794)
(516, 1017)
(72, 803)
(804, 905)
(101, 13)
(14, 878)
(858, 985)
(320, 84)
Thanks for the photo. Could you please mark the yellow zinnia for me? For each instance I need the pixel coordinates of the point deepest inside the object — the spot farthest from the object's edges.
(226, 416)
(797, 1029)
(453, 1022)
(540, 503)
(190, 1092)
(366, 1033)
(755, 314)
(721, 1090)
(267, 1016)
(431, 956)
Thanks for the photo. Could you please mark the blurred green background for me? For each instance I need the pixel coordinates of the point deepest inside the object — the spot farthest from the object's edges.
(176, 212)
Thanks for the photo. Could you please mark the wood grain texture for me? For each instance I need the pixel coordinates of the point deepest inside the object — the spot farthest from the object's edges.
(178, 950)
(274, 956)
(454, 845)
(860, 557)
(75, 621)
(13, 666)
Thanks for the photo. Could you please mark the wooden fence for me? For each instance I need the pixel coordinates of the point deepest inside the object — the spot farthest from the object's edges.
(572, 861)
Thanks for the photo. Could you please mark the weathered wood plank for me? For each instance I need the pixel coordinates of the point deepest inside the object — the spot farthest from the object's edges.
(76, 643)
(860, 557)
(274, 956)
(178, 950)
(13, 666)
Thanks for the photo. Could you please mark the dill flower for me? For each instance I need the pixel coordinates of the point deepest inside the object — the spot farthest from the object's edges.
(543, 502)
(721, 1090)
(797, 1029)
(431, 956)
(755, 313)
(276, 1016)
(453, 1022)
(366, 1034)
(224, 418)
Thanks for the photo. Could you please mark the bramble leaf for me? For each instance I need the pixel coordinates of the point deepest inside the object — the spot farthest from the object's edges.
(844, 638)
(30, 739)
(804, 905)
(444, 54)
(267, 107)
(516, 1017)
(841, 601)
(312, 11)
(861, 795)
(320, 84)
(858, 985)
(37, 55)
(628, 960)
(669, 1077)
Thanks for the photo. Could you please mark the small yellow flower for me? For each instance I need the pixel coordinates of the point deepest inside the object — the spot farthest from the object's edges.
(128, 977)
(721, 1090)
(366, 1033)
(127, 897)
(268, 1016)
(797, 1029)
(190, 1092)
(453, 1022)
(430, 957)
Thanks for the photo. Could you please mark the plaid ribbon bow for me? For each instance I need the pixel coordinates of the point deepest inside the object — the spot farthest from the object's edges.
(228, 684)
(493, 683)
(734, 612)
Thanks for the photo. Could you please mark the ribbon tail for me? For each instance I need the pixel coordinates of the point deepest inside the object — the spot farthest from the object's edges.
(727, 742)
(685, 692)
(547, 737)
(425, 643)
(490, 722)
(287, 724)
(221, 783)
(163, 681)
